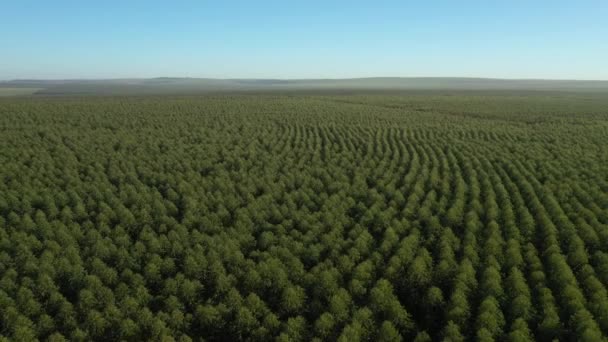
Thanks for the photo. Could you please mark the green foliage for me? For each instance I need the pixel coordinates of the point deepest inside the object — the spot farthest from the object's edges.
(416, 217)
(388, 333)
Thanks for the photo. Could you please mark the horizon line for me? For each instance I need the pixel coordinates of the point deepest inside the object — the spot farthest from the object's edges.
(301, 79)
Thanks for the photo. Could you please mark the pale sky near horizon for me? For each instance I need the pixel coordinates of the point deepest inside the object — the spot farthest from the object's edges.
(303, 39)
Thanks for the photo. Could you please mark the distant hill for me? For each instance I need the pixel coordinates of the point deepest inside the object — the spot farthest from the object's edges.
(172, 85)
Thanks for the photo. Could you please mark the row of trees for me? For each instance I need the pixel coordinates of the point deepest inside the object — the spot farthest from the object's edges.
(303, 218)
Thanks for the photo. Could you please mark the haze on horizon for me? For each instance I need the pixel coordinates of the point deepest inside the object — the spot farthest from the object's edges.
(312, 40)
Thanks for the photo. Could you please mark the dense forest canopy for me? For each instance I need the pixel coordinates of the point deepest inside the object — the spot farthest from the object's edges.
(426, 217)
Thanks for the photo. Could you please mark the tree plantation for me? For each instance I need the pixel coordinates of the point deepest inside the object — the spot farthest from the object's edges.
(302, 217)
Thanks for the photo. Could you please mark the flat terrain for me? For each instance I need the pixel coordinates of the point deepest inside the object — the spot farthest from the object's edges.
(197, 86)
(427, 215)
(7, 91)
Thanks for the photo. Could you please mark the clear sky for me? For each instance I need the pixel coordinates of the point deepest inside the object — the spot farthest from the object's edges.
(303, 39)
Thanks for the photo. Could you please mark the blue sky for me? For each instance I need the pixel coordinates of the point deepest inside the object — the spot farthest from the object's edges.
(303, 39)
